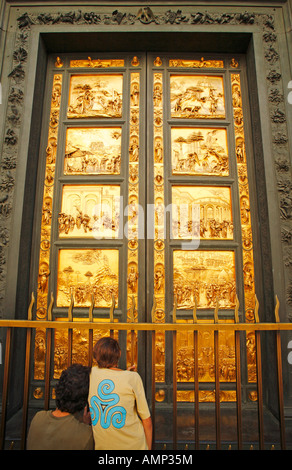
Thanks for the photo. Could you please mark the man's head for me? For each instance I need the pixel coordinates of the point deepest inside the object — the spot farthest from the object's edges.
(72, 389)
(107, 352)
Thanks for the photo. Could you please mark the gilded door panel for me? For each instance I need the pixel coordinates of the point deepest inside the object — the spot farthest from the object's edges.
(206, 362)
(197, 97)
(90, 211)
(199, 151)
(200, 178)
(82, 273)
(91, 192)
(202, 277)
(203, 211)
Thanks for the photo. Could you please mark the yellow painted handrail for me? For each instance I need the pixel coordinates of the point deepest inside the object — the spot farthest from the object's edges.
(104, 325)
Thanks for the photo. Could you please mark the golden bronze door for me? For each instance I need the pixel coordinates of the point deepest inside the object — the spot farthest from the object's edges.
(145, 206)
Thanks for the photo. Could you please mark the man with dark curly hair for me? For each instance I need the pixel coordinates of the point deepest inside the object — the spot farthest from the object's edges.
(68, 427)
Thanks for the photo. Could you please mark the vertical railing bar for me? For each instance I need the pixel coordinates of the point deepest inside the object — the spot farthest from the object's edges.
(174, 377)
(70, 331)
(217, 383)
(280, 379)
(48, 357)
(90, 332)
(153, 388)
(153, 373)
(196, 379)
(6, 380)
(112, 309)
(132, 346)
(259, 379)
(238, 379)
(26, 376)
(132, 319)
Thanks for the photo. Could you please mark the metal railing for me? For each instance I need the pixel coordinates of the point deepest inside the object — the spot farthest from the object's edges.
(151, 329)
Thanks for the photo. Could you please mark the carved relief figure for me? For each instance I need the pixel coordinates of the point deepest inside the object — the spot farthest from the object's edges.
(47, 211)
(44, 273)
(135, 94)
(159, 279)
(134, 149)
(157, 94)
(158, 152)
(244, 210)
(51, 150)
(133, 279)
(39, 353)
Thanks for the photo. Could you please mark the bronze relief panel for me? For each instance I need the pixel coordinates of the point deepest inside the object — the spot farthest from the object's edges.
(93, 151)
(202, 211)
(95, 96)
(89, 211)
(199, 151)
(206, 355)
(197, 97)
(203, 276)
(83, 272)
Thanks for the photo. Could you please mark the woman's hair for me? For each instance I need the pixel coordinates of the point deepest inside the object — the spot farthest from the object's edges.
(107, 352)
(72, 389)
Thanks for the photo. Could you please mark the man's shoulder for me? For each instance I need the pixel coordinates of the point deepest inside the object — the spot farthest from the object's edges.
(43, 414)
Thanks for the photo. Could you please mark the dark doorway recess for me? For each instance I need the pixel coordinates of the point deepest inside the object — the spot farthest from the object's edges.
(150, 41)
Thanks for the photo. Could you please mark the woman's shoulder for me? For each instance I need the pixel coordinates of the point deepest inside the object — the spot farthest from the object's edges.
(96, 371)
(134, 376)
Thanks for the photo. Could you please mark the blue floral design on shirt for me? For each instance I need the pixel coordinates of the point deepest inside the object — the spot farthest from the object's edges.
(103, 406)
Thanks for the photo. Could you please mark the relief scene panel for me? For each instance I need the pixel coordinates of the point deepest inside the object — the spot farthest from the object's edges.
(197, 97)
(93, 151)
(82, 273)
(89, 211)
(204, 277)
(80, 345)
(206, 355)
(199, 151)
(97, 96)
(202, 211)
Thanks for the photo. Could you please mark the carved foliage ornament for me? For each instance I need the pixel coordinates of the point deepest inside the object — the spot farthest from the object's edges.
(144, 15)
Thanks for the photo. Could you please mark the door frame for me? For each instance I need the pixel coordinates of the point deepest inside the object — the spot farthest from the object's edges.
(148, 304)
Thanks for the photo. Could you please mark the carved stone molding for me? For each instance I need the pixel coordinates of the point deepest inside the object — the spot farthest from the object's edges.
(10, 150)
(144, 15)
